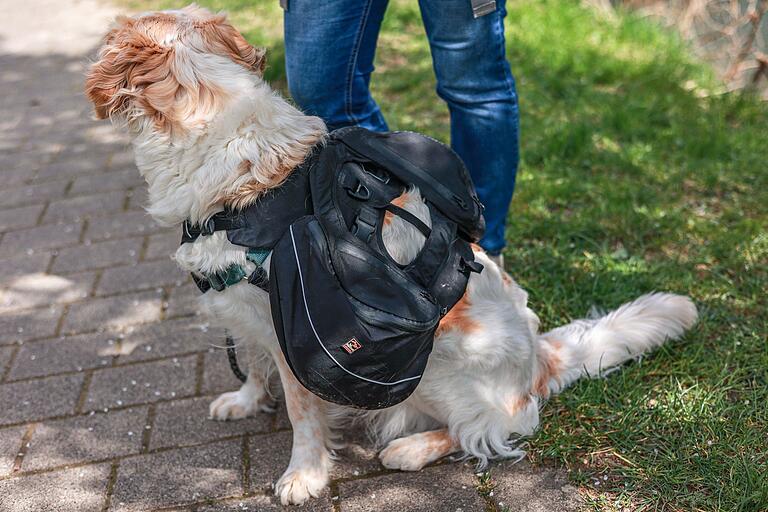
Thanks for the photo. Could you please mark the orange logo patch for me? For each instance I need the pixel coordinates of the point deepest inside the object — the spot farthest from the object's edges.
(352, 345)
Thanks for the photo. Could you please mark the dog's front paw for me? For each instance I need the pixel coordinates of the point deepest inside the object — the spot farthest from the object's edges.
(297, 485)
(240, 404)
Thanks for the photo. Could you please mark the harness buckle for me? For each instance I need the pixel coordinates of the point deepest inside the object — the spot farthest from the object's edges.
(208, 227)
(365, 224)
(259, 278)
(216, 282)
(360, 192)
(466, 266)
(382, 176)
(191, 231)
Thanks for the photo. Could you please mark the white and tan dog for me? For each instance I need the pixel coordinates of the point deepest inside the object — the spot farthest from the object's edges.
(208, 132)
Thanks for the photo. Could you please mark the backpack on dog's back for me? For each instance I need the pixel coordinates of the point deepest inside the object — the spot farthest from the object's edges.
(355, 326)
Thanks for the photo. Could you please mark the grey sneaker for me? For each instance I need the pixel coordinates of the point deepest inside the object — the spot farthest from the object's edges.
(498, 259)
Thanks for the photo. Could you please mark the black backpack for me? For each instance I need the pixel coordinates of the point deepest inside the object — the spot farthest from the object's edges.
(355, 326)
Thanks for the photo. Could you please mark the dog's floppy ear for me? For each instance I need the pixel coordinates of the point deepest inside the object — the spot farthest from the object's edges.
(132, 68)
(106, 78)
(224, 39)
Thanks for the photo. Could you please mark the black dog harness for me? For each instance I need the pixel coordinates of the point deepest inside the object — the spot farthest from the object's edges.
(355, 326)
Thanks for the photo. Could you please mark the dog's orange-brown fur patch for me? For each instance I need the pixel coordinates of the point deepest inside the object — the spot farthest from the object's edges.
(244, 168)
(139, 70)
(515, 404)
(138, 67)
(439, 442)
(549, 367)
(223, 39)
(297, 399)
(398, 201)
(132, 67)
(276, 165)
(415, 451)
(458, 318)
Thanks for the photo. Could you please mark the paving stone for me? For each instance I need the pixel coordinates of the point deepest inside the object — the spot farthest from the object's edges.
(167, 338)
(60, 355)
(186, 422)
(12, 143)
(34, 290)
(5, 357)
(98, 255)
(269, 502)
(184, 300)
(123, 159)
(358, 457)
(139, 198)
(113, 312)
(179, 476)
(13, 177)
(36, 399)
(91, 437)
(162, 246)
(10, 442)
(30, 241)
(76, 208)
(122, 226)
(104, 138)
(533, 490)
(80, 489)
(217, 375)
(151, 274)
(142, 383)
(17, 218)
(22, 161)
(447, 487)
(71, 168)
(31, 194)
(115, 180)
(13, 268)
(282, 421)
(30, 324)
(271, 453)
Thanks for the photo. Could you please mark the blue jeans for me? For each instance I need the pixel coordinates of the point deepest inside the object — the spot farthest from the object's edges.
(330, 47)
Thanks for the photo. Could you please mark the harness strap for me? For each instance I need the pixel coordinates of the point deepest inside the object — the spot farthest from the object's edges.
(217, 222)
(365, 223)
(410, 218)
(202, 283)
(235, 273)
(232, 356)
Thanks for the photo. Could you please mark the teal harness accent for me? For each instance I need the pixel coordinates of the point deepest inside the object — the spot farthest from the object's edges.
(235, 273)
(257, 256)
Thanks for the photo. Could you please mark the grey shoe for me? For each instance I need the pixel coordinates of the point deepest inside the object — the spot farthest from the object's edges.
(498, 259)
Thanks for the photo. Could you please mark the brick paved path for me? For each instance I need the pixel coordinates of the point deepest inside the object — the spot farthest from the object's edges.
(105, 371)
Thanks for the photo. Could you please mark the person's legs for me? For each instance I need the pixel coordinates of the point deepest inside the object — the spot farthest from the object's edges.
(474, 78)
(329, 50)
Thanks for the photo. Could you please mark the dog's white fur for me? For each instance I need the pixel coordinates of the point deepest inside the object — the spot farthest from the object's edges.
(490, 367)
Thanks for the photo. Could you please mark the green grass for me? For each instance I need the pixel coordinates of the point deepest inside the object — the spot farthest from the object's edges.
(635, 176)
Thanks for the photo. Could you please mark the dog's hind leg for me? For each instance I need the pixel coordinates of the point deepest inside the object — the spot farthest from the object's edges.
(307, 473)
(411, 453)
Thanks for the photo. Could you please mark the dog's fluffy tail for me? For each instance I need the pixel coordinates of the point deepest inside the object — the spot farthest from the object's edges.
(593, 347)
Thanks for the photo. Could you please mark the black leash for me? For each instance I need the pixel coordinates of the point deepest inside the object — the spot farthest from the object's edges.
(232, 355)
